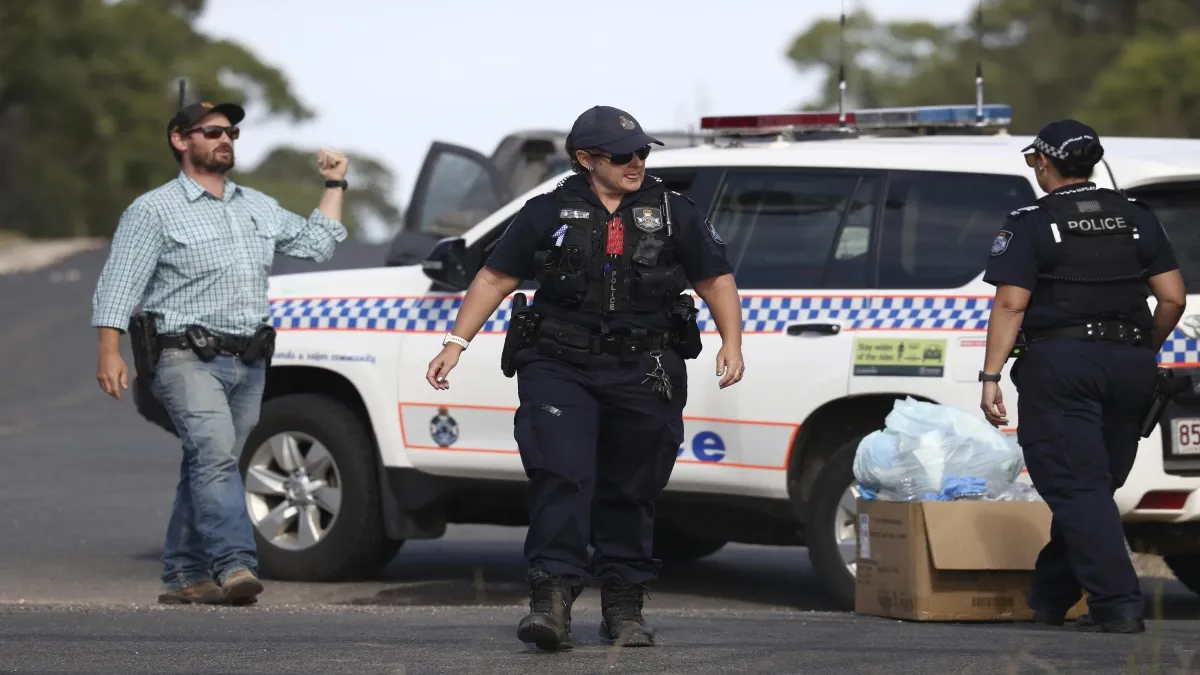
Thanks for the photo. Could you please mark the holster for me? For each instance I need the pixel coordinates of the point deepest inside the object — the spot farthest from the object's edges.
(143, 339)
(1167, 386)
(261, 346)
(687, 330)
(201, 342)
(521, 329)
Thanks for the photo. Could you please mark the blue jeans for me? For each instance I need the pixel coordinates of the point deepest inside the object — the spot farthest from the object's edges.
(214, 406)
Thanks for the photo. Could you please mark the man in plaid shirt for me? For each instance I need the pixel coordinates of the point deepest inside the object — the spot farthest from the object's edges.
(197, 251)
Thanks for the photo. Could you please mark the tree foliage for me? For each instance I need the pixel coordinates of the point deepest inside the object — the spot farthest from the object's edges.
(1127, 68)
(86, 90)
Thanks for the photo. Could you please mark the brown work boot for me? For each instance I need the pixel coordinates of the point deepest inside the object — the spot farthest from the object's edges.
(203, 593)
(242, 588)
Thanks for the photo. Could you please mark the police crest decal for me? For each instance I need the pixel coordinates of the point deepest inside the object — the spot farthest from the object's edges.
(1000, 243)
(443, 429)
(648, 220)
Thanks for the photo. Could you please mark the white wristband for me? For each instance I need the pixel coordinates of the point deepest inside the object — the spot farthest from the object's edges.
(456, 340)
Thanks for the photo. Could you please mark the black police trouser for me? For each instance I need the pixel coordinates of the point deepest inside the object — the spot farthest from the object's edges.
(598, 445)
(1079, 410)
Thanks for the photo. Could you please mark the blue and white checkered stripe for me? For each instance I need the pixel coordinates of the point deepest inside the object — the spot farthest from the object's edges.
(760, 314)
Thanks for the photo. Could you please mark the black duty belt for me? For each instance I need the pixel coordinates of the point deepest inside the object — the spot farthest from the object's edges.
(1115, 331)
(221, 344)
(621, 344)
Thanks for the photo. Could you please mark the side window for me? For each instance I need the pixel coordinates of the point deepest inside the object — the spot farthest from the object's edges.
(1177, 206)
(938, 226)
(797, 229)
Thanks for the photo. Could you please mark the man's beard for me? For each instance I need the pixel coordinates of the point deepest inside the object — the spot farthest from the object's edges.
(211, 163)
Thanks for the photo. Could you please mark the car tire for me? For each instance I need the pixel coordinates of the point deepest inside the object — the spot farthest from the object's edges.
(827, 520)
(353, 544)
(672, 545)
(1186, 567)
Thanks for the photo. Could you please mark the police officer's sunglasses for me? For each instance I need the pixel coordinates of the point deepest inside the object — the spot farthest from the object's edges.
(625, 157)
(1031, 159)
(212, 132)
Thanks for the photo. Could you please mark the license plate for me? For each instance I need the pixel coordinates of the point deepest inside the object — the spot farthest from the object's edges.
(1186, 439)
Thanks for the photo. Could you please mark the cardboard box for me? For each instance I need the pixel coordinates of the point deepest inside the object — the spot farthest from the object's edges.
(949, 561)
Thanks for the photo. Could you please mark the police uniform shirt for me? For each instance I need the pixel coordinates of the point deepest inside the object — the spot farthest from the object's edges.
(1026, 246)
(699, 250)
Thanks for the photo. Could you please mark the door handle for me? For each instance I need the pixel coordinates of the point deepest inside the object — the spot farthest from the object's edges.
(818, 328)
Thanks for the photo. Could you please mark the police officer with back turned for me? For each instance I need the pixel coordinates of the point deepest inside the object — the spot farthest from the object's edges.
(599, 357)
(1072, 274)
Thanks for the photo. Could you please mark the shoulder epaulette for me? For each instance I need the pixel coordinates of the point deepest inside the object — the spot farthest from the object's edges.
(1139, 202)
(1023, 210)
(678, 194)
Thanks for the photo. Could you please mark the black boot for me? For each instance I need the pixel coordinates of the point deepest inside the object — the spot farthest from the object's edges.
(1128, 625)
(621, 606)
(548, 624)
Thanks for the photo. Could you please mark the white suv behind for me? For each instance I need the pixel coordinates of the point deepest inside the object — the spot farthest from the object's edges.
(859, 261)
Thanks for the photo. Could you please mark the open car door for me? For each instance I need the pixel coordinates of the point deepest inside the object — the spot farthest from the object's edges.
(456, 188)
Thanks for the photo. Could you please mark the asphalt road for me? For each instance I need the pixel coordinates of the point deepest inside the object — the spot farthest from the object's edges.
(86, 488)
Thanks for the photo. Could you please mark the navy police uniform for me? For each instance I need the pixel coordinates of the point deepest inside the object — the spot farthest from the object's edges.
(1086, 376)
(602, 380)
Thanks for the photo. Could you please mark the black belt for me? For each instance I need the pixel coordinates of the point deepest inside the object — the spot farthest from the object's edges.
(629, 345)
(222, 344)
(1115, 331)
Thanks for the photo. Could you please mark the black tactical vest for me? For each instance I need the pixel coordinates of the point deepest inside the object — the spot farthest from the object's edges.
(579, 275)
(1097, 274)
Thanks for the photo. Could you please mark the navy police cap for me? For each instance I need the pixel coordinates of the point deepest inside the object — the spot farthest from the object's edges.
(609, 129)
(1059, 139)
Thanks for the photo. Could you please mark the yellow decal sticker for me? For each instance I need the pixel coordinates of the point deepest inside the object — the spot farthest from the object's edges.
(886, 357)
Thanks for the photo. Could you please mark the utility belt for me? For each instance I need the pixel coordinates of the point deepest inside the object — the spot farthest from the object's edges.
(1109, 331)
(580, 345)
(147, 344)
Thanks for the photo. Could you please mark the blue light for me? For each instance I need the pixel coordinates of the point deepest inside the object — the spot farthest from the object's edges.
(995, 114)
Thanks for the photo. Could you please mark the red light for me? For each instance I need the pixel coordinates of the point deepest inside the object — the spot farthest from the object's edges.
(1164, 500)
(766, 122)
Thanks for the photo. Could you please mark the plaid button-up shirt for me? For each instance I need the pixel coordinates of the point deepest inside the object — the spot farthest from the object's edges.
(191, 258)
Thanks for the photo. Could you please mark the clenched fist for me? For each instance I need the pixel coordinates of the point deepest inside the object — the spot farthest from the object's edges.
(332, 164)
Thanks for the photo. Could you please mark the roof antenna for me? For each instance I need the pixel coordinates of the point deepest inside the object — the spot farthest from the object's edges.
(979, 64)
(182, 89)
(842, 70)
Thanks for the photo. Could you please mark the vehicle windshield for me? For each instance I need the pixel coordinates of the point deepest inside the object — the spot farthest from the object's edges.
(1177, 206)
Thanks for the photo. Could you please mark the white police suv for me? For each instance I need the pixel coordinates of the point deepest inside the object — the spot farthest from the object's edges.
(858, 251)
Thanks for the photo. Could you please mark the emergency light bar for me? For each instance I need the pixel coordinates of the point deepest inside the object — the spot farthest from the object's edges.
(920, 117)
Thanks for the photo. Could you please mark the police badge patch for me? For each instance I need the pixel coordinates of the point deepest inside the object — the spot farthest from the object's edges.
(443, 429)
(712, 232)
(648, 220)
(1000, 243)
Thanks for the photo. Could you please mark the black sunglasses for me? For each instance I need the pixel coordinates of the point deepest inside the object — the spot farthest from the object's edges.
(625, 157)
(213, 132)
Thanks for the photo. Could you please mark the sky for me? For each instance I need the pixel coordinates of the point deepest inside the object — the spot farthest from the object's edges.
(388, 77)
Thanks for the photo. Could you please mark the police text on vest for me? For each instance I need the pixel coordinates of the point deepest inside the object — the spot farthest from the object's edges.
(1098, 224)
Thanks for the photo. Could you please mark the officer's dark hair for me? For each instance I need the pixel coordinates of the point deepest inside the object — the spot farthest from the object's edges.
(571, 159)
(1081, 161)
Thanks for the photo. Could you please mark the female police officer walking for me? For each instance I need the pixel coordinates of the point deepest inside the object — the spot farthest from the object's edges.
(1071, 272)
(603, 386)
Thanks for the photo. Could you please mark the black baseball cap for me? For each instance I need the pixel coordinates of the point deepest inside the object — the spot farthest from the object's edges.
(1057, 139)
(188, 116)
(610, 130)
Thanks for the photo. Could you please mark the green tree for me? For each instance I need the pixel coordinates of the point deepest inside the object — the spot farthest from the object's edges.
(1104, 61)
(86, 89)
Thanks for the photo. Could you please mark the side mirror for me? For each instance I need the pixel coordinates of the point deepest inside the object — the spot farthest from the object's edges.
(447, 264)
